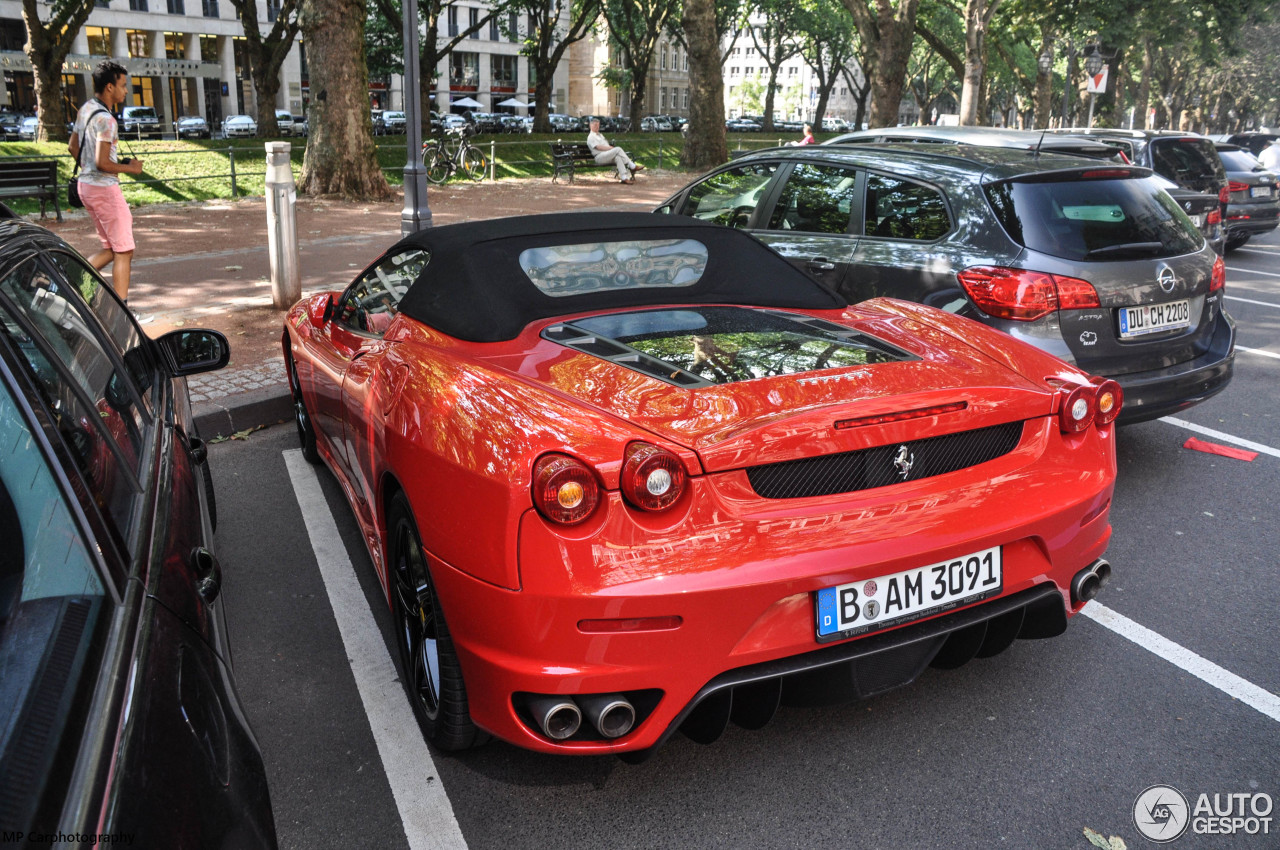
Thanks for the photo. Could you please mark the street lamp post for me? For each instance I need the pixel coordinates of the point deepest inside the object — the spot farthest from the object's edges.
(416, 214)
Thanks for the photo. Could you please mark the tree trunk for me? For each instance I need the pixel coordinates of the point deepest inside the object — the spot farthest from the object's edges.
(639, 88)
(1143, 104)
(1044, 86)
(971, 80)
(896, 29)
(340, 158)
(266, 85)
(47, 47)
(704, 145)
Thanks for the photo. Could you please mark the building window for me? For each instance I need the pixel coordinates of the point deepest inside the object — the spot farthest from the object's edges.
(685, 63)
(733, 71)
(663, 66)
(273, 10)
(662, 100)
(502, 70)
(174, 45)
(99, 41)
(511, 25)
(686, 93)
(208, 48)
(137, 39)
(176, 7)
(464, 69)
(137, 5)
(453, 22)
(493, 29)
(473, 22)
(210, 8)
(750, 70)
(791, 72)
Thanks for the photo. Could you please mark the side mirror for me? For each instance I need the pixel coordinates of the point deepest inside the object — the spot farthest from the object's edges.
(190, 352)
(320, 310)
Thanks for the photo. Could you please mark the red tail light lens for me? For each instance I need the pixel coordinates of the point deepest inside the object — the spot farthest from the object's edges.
(1236, 186)
(1077, 411)
(565, 490)
(1108, 399)
(1218, 280)
(1224, 194)
(1023, 295)
(652, 478)
(1214, 217)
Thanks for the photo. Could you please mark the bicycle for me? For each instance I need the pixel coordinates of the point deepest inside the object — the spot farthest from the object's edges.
(441, 163)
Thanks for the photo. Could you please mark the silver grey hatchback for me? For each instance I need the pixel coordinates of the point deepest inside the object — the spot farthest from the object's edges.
(1092, 262)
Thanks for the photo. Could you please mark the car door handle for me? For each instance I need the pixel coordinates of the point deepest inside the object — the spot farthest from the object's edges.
(821, 264)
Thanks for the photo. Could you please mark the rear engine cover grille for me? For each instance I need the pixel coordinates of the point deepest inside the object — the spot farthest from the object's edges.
(867, 468)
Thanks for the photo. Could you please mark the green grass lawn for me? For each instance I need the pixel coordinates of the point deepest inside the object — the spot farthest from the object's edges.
(195, 170)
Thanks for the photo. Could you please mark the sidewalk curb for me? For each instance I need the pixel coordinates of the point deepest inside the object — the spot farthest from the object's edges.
(241, 411)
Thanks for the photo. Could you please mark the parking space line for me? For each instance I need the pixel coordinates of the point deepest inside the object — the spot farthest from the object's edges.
(1218, 435)
(1251, 301)
(1252, 271)
(1258, 351)
(1179, 656)
(425, 811)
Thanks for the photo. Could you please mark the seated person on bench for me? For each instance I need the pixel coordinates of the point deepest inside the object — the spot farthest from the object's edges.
(606, 153)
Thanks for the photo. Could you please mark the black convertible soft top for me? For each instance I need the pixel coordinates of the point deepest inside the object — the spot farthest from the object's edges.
(474, 288)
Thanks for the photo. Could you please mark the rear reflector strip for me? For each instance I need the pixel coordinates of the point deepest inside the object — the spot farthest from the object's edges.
(918, 413)
(632, 624)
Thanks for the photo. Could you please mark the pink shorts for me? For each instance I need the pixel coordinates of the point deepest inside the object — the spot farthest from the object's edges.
(110, 213)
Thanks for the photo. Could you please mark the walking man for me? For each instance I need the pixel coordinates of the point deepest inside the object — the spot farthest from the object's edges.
(94, 144)
(606, 153)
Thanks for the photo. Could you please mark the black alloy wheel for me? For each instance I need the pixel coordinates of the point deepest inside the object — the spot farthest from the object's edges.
(429, 665)
(306, 431)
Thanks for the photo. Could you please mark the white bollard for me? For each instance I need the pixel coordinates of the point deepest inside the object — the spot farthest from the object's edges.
(282, 227)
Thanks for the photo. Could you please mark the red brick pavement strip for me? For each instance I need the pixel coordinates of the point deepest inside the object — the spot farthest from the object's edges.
(201, 259)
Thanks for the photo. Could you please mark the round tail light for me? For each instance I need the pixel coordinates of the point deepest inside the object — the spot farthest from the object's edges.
(1076, 413)
(652, 477)
(565, 490)
(1108, 398)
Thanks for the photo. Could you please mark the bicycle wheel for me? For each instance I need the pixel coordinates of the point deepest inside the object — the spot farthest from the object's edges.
(436, 159)
(474, 164)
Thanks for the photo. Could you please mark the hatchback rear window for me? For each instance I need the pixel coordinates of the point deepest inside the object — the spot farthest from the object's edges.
(1095, 220)
(1191, 163)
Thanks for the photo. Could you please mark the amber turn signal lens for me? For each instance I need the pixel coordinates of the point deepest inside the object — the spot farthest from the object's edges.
(1109, 399)
(565, 490)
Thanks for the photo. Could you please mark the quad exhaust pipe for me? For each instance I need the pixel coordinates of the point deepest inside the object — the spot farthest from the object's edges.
(612, 715)
(1089, 581)
(560, 718)
(557, 717)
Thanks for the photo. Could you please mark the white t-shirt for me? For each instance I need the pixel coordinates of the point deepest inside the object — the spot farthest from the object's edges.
(1270, 157)
(103, 127)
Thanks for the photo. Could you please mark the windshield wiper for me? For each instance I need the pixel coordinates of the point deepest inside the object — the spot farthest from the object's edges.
(1148, 247)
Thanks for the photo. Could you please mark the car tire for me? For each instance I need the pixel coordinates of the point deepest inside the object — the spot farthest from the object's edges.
(429, 666)
(302, 417)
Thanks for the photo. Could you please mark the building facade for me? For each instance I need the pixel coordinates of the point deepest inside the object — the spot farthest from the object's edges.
(666, 88)
(184, 57)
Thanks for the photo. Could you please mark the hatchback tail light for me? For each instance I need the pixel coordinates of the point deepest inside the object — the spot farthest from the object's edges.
(1023, 295)
(1214, 217)
(1218, 280)
(565, 489)
(1237, 186)
(653, 478)
(1224, 194)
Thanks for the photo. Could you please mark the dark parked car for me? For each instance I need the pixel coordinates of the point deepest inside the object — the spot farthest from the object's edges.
(140, 122)
(10, 126)
(1254, 142)
(1203, 208)
(1092, 262)
(120, 708)
(1253, 204)
(191, 127)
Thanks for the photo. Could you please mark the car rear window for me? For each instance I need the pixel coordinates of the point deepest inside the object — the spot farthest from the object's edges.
(1094, 220)
(560, 270)
(1191, 163)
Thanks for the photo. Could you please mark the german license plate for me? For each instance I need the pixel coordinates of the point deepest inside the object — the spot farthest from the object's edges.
(1153, 318)
(873, 604)
(1198, 219)
(1260, 192)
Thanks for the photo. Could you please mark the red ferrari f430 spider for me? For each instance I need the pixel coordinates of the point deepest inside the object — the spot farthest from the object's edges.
(622, 475)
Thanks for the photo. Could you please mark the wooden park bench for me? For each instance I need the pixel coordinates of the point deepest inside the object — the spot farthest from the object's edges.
(31, 179)
(568, 157)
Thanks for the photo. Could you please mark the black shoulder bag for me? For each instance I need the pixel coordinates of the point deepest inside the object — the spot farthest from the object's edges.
(73, 185)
